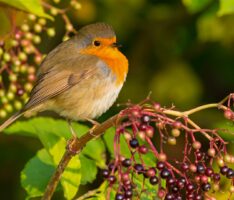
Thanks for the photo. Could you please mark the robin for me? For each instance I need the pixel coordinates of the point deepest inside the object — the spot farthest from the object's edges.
(81, 78)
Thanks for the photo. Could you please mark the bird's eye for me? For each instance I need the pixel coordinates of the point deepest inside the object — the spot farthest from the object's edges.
(97, 43)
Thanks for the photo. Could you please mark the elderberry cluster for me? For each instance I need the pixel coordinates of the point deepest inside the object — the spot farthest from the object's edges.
(194, 177)
(20, 56)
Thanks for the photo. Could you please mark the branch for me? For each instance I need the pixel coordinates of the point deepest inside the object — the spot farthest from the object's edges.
(75, 146)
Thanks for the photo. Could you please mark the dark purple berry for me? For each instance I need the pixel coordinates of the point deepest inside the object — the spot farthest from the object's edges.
(178, 198)
(171, 181)
(175, 189)
(128, 193)
(145, 119)
(150, 172)
(143, 127)
(112, 179)
(200, 168)
(190, 187)
(199, 155)
(180, 184)
(165, 173)
(169, 197)
(206, 187)
(139, 168)
(119, 196)
(134, 143)
(105, 173)
(216, 177)
(224, 170)
(153, 180)
(198, 197)
(185, 167)
(111, 166)
(183, 180)
(209, 171)
(230, 173)
(160, 165)
(126, 162)
(143, 149)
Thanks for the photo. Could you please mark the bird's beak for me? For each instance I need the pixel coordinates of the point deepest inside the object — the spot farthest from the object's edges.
(116, 45)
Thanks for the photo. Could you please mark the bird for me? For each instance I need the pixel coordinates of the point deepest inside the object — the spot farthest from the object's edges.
(80, 79)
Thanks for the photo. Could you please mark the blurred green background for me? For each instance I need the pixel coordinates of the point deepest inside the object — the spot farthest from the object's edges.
(182, 51)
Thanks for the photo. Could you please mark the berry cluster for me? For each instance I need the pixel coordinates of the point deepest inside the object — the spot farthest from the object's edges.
(194, 177)
(20, 56)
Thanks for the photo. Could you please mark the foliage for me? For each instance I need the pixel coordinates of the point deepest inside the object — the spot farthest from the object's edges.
(29, 29)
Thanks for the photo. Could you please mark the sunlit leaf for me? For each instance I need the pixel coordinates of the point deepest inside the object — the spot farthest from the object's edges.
(31, 6)
(226, 7)
(88, 170)
(194, 6)
(37, 173)
(109, 141)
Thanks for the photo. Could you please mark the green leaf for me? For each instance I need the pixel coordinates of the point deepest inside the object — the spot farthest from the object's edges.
(194, 6)
(88, 170)
(226, 7)
(226, 130)
(31, 6)
(37, 173)
(109, 141)
(71, 176)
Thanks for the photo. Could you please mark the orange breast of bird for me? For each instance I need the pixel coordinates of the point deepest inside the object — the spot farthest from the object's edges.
(114, 59)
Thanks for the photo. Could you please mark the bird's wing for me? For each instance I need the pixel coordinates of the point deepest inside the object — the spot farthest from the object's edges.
(60, 78)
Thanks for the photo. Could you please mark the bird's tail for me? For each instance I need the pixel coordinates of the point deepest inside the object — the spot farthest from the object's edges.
(10, 120)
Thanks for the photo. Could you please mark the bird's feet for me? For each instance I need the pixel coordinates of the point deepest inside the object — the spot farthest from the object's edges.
(73, 145)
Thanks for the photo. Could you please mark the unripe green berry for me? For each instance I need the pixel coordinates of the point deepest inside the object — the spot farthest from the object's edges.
(28, 87)
(37, 28)
(23, 68)
(56, 1)
(14, 43)
(220, 162)
(13, 77)
(50, 32)
(227, 158)
(162, 157)
(25, 27)
(18, 105)
(54, 11)
(2, 93)
(32, 17)
(6, 57)
(28, 35)
(42, 21)
(211, 152)
(12, 88)
(231, 189)
(36, 39)
(31, 70)
(17, 62)
(1, 51)
(171, 141)
(175, 132)
(15, 69)
(3, 113)
(22, 56)
(10, 95)
(9, 108)
(4, 100)
(196, 145)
